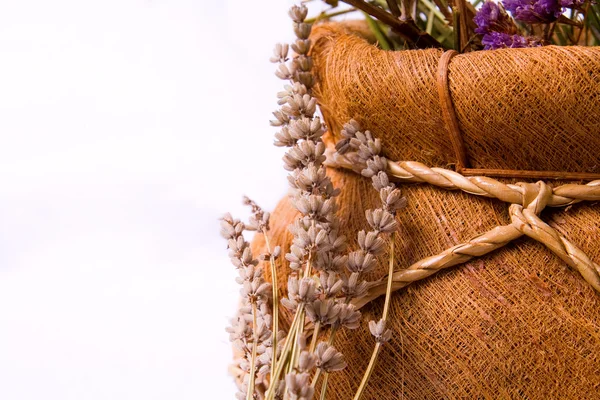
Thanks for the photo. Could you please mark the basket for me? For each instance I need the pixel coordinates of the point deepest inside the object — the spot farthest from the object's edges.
(500, 154)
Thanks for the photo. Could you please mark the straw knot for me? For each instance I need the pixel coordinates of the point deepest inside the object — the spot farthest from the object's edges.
(536, 196)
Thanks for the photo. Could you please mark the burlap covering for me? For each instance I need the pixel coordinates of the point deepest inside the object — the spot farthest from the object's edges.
(515, 324)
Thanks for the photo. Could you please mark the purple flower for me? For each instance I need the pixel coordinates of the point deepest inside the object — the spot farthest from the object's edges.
(535, 11)
(572, 3)
(492, 17)
(500, 40)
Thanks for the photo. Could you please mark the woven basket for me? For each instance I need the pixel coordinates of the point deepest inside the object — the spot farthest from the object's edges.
(521, 320)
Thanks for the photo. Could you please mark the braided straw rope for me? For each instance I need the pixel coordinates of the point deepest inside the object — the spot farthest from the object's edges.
(527, 202)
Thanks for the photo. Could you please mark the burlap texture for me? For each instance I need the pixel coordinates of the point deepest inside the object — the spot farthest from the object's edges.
(518, 323)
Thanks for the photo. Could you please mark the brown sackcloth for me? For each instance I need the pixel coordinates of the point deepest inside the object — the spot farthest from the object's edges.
(514, 324)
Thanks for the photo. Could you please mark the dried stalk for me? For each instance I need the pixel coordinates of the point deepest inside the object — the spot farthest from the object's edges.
(463, 32)
(407, 30)
(285, 353)
(250, 394)
(457, 26)
(368, 372)
(313, 343)
(393, 5)
(386, 308)
(323, 16)
(316, 377)
(275, 327)
(324, 386)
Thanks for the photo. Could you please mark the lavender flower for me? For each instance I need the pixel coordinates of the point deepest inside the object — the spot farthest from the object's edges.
(280, 53)
(250, 329)
(359, 261)
(379, 330)
(349, 317)
(366, 151)
(298, 386)
(492, 17)
(259, 220)
(324, 312)
(328, 358)
(306, 361)
(498, 40)
(301, 291)
(352, 287)
(534, 11)
(330, 284)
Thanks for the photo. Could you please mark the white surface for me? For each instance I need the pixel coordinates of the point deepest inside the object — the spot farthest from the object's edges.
(127, 128)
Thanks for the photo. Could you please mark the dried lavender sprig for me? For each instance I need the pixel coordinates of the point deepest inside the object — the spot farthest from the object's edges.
(255, 293)
(299, 131)
(328, 358)
(382, 220)
(317, 244)
(367, 149)
(382, 335)
(260, 222)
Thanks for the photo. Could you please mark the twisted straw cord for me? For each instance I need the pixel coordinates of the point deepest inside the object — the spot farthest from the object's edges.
(531, 225)
(412, 171)
(524, 221)
(459, 254)
(563, 195)
(535, 197)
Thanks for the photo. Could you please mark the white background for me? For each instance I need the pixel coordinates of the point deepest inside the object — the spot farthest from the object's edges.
(127, 128)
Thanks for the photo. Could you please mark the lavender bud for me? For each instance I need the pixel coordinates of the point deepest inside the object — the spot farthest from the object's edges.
(284, 138)
(360, 261)
(280, 53)
(328, 358)
(298, 13)
(302, 30)
(330, 284)
(301, 46)
(281, 119)
(298, 386)
(381, 221)
(378, 330)
(371, 243)
(352, 288)
(323, 311)
(306, 78)
(283, 72)
(348, 316)
(306, 361)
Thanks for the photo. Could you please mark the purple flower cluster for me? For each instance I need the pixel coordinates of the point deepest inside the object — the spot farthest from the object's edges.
(536, 11)
(499, 29)
(501, 40)
(493, 18)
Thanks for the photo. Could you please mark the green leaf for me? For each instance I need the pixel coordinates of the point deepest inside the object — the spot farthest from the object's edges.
(381, 37)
